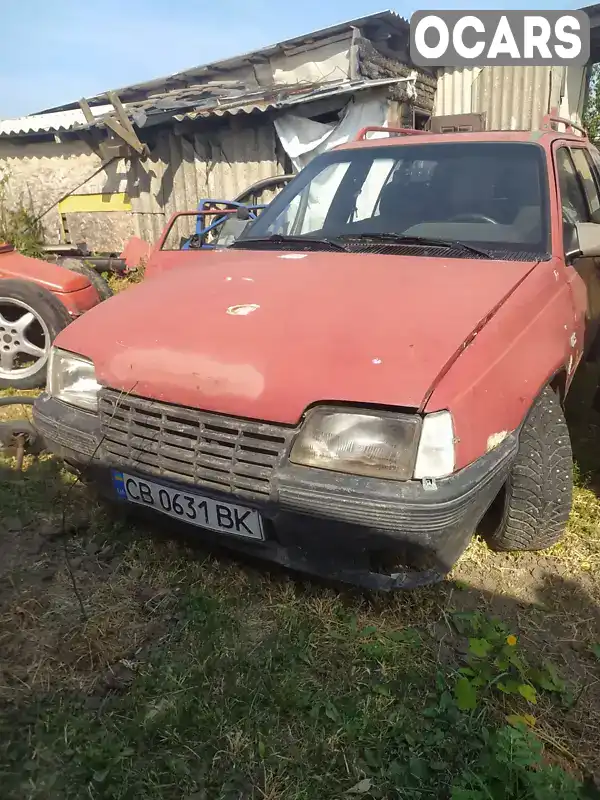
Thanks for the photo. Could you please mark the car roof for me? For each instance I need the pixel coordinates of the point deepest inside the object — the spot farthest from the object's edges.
(540, 136)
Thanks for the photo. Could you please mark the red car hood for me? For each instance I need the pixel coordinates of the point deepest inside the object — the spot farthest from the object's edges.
(317, 326)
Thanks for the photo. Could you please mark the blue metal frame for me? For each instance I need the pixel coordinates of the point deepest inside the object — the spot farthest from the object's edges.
(201, 232)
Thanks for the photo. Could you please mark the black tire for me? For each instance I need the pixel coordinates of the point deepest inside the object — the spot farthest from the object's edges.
(97, 281)
(537, 497)
(53, 314)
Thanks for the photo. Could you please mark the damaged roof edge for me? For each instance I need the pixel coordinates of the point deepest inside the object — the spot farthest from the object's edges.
(272, 98)
(390, 17)
(248, 106)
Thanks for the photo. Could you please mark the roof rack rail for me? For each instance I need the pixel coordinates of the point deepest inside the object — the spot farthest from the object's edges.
(361, 136)
(549, 121)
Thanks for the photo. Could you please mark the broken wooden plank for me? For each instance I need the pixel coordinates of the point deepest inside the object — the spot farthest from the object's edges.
(121, 113)
(87, 111)
(126, 135)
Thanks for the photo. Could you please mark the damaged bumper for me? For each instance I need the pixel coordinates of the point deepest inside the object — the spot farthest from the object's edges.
(374, 533)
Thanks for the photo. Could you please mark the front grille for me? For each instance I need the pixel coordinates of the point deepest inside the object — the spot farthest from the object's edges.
(196, 447)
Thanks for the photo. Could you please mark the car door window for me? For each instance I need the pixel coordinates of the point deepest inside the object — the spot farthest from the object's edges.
(574, 205)
(583, 165)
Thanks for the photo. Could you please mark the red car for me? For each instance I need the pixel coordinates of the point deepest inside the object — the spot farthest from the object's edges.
(375, 365)
(37, 300)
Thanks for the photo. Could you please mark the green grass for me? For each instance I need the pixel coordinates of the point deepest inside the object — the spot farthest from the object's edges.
(137, 666)
(287, 707)
(251, 698)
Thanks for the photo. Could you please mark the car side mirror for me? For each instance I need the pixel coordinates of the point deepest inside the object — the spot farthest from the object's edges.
(588, 235)
(242, 212)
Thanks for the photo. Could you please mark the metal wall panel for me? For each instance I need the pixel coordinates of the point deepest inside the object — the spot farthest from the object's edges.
(185, 168)
(512, 98)
(212, 162)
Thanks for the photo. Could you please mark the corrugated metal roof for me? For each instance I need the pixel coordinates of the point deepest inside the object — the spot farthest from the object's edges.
(216, 68)
(203, 101)
(49, 123)
(593, 13)
(591, 10)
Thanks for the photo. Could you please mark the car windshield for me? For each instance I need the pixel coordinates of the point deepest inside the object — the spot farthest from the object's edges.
(487, 195)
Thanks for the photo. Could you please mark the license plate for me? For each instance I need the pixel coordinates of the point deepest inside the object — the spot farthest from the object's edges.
(204, 512)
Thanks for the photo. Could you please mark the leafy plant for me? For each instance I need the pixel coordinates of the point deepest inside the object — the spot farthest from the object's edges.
(591, 114)
(18, 224)
(511, 766)
(137, 275)
(493, 663)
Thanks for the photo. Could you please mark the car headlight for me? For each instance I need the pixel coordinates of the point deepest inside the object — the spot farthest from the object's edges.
(72, 379)
(361, 443)
(377, 444)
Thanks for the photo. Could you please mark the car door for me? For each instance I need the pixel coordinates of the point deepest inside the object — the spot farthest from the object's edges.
(580, 202)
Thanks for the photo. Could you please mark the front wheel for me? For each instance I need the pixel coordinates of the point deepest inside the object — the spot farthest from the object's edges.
(30, 319)
(536, 500)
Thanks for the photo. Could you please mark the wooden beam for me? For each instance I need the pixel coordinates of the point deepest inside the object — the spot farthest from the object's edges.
(121, 113)
(87, 111)
(129, 138)
(121, 126)
(88, 136)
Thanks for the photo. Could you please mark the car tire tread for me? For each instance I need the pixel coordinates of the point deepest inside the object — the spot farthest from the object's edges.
(99, 283)
(538, 492)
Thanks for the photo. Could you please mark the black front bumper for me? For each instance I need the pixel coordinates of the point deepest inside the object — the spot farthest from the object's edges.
(374, 533)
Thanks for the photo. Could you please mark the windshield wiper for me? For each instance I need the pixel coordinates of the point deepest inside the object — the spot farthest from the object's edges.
(277, 238)
(425, 241)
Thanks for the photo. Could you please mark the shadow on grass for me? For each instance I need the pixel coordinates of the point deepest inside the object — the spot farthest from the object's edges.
(584, 425)
(35, 491)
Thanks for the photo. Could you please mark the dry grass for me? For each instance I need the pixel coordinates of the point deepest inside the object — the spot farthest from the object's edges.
(47, 643)
(118, 283)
